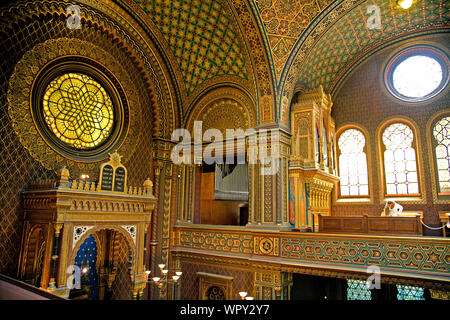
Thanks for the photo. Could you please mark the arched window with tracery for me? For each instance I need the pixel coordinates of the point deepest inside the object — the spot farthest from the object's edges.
(441, 135)
(352, 160)
(399, 160)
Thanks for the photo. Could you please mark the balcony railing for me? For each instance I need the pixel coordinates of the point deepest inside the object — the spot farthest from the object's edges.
(418, 257)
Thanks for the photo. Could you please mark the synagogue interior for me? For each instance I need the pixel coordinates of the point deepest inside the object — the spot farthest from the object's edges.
(225, 150)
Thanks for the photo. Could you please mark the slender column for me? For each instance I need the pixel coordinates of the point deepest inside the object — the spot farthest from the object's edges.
(55, 255)
(154, 226)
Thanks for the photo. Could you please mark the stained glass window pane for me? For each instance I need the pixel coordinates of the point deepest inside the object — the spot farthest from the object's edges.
(358, 290)
(78, 110)
(353, 164)
(441, 133)
(400, 160)
(417, 76)
(409, 293)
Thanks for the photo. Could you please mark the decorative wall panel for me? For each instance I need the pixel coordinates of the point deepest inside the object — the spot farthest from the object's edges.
(427, 258)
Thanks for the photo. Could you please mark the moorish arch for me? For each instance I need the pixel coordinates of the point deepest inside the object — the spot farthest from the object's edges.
(224, 108)
(115, 258)
(230, 111)
(99, 228)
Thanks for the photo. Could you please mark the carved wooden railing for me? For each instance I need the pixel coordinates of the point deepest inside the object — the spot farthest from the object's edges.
(418, 257)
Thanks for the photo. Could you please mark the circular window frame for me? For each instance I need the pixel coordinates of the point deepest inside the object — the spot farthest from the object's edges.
(80, 65)
(425, 50)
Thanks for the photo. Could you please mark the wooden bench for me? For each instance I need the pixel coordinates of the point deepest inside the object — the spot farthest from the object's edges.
(403, 225)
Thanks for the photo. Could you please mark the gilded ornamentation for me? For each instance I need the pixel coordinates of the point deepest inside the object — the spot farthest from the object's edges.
(268, 200)
(82, 211)
(132, 231)
(440, 294)
(263, 74)
(266, 246)
(224, 108)
(217, 241)
(284, 22)
(78, 110)
(397, 256)
(20, 90)
(316, 63)
(215, 293)
(78, 233)
(225, 114)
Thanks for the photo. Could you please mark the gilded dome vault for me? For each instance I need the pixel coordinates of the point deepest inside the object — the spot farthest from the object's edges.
(284, 22)
(341, 40)
(203, 37)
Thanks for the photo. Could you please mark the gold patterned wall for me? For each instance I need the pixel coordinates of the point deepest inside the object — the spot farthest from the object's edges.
(339, 39)
(363, 91)
(35, 33)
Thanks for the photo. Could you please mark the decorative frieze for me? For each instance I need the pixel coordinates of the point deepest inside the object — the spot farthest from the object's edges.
(132, 231)
(427, 258)
(78, 233)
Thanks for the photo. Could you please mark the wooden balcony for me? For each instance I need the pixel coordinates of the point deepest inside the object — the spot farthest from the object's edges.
(398, 256)
(397, 226)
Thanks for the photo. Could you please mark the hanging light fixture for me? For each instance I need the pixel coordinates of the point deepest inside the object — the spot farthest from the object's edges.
(243, 294)
(156, 279)
(405, 4)
(165, 279)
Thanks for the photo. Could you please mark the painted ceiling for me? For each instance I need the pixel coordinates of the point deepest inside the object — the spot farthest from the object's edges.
(284, 21)
(274, 45)
(203, 36)
(349, 40)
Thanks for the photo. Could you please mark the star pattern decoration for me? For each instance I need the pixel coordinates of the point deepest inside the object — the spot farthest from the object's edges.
(202, 37)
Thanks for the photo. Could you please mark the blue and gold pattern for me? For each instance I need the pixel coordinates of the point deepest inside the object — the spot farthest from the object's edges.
(398, 256)
(87, 258)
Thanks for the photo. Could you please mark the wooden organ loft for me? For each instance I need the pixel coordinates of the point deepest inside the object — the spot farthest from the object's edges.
(61, 216)
(312, 172)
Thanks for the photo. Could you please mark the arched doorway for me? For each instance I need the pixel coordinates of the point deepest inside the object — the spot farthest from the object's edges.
(105, 258)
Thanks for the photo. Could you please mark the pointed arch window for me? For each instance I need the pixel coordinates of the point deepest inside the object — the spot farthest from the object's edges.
(399, 160)
(441, 135)
(352, 162)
